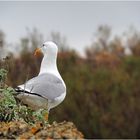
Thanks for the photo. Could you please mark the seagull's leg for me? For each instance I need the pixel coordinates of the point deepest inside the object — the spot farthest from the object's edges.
(45, 114)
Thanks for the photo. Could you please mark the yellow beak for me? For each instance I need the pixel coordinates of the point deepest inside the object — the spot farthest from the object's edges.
(37, 52)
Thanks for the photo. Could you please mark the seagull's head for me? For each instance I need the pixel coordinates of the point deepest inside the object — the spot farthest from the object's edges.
(48, 48)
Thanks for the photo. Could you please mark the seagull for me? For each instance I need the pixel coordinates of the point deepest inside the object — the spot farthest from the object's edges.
(47, 90)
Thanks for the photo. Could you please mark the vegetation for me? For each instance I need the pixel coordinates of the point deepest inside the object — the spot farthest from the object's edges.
(103, 89)
(11, 110)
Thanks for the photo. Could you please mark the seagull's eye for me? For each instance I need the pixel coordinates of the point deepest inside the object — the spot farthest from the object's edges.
(43, 45)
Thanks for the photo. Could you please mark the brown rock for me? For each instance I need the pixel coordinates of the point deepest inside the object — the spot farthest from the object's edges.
(22, 130)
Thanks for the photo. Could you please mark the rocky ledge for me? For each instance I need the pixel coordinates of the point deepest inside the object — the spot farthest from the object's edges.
(22, 130)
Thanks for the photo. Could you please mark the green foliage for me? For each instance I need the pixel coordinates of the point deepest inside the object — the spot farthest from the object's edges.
(8, 99)
(10, 110)
(3, 74)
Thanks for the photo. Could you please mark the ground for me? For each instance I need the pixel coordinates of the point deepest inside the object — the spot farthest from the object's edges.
(22, 130)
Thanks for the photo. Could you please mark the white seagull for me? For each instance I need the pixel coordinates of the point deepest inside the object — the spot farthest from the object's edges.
(48, 89)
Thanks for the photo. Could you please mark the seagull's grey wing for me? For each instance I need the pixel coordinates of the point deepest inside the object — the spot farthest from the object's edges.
(46, 85)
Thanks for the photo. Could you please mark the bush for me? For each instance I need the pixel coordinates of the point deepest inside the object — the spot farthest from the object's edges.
(10, 110)
(102, 102)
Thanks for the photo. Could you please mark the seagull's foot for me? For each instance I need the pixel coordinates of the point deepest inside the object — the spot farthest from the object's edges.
(45, 115)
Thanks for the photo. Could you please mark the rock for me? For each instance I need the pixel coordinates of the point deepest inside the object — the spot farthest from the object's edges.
(22, 130)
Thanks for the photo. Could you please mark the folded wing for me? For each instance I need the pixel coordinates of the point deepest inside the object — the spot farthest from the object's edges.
(45, 85)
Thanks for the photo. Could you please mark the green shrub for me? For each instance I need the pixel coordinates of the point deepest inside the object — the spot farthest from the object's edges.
(10, 110)
(102, 102)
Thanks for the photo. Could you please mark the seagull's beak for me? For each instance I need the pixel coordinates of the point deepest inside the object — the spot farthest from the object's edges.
(37, 52)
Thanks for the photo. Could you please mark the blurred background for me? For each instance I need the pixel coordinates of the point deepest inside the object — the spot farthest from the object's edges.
(99, 59)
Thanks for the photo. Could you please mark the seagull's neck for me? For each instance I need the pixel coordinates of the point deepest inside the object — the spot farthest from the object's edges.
(49, 65)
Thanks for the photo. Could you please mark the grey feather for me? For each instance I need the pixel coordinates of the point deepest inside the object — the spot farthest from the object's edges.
(47, 85)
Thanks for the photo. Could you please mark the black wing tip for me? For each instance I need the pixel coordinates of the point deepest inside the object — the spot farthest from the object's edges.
(19, 90)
